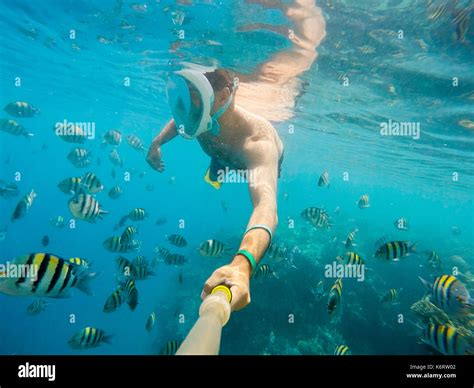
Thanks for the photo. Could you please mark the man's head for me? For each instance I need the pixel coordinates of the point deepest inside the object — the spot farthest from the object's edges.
(198, 100)
(224, 84)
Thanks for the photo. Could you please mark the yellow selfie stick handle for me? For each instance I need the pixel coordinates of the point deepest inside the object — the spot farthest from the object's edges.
(205, 336)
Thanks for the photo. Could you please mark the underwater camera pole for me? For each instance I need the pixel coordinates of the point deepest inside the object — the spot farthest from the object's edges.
(205, 336)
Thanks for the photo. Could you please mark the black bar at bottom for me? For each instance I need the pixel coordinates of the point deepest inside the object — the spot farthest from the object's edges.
(155, 371)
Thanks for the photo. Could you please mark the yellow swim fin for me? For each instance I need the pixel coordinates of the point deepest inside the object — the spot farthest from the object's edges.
(215, 184)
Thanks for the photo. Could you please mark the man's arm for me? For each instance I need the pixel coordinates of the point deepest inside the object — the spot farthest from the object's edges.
(263, 186)
(169, 132)
(153, 158)
(263, 174)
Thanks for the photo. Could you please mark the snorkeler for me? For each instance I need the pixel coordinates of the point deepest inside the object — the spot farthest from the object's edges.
(237, 138)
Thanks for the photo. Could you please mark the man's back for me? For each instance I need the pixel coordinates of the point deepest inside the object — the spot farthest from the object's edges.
(233, 147)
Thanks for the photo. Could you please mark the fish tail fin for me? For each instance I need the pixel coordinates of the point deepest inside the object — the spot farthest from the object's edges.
(84, 280)
(107, 338)
(412, 248)
(426, 283)
(102, 213)
(414, 324)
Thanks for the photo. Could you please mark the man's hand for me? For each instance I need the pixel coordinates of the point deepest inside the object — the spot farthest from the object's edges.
(235, 276)
(154, 158)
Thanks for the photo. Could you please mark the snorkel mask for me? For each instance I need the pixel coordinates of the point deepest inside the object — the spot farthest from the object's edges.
(191, 99)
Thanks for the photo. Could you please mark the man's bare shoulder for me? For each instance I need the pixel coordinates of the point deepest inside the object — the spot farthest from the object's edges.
(256, 121)
(263, 138)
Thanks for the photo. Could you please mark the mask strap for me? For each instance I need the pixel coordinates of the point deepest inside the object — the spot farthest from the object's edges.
(214, 123)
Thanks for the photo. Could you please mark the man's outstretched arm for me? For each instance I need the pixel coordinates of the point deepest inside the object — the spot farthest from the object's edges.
(168, 133)
(263, 186)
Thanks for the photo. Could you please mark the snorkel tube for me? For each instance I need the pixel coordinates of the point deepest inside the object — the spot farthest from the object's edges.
(205, 336)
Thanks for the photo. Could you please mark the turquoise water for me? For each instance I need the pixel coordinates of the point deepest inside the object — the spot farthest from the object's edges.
(336, 129)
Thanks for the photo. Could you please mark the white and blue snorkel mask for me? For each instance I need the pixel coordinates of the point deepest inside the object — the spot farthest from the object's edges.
(191, 98)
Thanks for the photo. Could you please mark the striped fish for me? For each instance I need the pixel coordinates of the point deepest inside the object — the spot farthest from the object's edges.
(88, 338)
(342, 350)
(55, 277)
(175, 259)
(438, 11)
(23, 206)
(113, 137)
(115, 192)
(36, 307)
(170, 348)
(177, 240)
(319, 218)
(142, 272)
(71, 186)
(150, 323)
(161, 254)
(135, 142)
(21, 109)
(276, 252)
(434, 259)
(71, 134)
(450, 294)
(13, 128)
(352, 258)
(447, 340)
(461, 21)
(113, 244)
(335, 295)
(349, 243)
(124, 266)
(161, 251)
(323, 180)
(390, 297)
(91, 183)
(394, 250)
(77, 155)
(264, 271)
(212, 248)
(363, 202)
(140, 260)
(114, 301)
(127, 236)
(85, 207)
(115, 158)
(137, 214)
(131, 292)
(366, 49)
